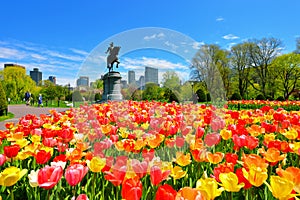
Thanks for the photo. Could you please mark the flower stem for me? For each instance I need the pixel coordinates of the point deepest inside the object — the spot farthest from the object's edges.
(12, 193)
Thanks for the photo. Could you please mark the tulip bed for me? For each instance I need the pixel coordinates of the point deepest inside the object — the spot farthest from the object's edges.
(152, 150)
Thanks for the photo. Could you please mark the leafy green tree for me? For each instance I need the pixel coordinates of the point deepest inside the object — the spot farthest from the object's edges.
(3, 101)
(201, 95)
(152, 92)
(171, 80)
(76, 96)
(16, 83)
(287, 69)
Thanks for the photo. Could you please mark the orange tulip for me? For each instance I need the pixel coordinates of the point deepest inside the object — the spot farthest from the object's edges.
(215, 158)
(188, 193)
(183, 160)
(273, 155)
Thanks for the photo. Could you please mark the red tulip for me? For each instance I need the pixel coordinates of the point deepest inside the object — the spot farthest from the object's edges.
(231, 158)
(165, 192)
(75, 173)
(140, 168)
(132, 189)
(42, 157)
(48, 176)
(212, 139)
(12, 150)
(82, 197)
(157, 176)
(116, 176)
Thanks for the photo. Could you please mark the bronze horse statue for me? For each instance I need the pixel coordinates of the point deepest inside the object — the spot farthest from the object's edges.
(113, 57)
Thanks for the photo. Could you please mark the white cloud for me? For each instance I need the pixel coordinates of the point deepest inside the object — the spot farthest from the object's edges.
(172, 45)
(38, 56)
(230, 37)
(197, 45)
(9, 53)
(219, 19)
(154, 36)
(65, 56)
(78, 51)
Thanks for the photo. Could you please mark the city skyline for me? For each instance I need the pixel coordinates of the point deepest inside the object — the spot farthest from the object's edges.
(63, 41)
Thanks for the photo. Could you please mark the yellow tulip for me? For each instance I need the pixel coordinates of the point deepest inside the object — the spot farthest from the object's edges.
(177, 172)
(225, 134)
(11, 176)
(209, 188)
(256, 175)
(230, 182)
(281, 188)
(96, 164)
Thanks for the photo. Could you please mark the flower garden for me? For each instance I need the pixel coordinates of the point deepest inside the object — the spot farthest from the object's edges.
(153, 150)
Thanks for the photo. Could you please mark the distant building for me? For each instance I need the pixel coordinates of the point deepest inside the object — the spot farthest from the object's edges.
(124, 84)
(151, 75)
(83, 81)
(131, 77)
(13, 65)
(141, 82)
(52, 79)
(36, 75)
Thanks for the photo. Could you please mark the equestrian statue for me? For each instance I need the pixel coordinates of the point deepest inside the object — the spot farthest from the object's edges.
(112, 56)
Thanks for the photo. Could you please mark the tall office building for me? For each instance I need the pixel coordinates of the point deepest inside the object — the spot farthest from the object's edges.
(141, 82)
(52, 79)
(131, 77)
(36, 75)
(83, 81)
(151, 75)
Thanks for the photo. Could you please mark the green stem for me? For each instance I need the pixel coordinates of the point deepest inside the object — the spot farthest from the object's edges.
(12, 193)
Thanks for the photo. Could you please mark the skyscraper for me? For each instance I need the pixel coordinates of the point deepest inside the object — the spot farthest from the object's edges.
(36, 75)
(151, 75)
(83, 81)
(52, 79)
(131, 77)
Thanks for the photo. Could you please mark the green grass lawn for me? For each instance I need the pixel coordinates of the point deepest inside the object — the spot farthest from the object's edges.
(9, 116)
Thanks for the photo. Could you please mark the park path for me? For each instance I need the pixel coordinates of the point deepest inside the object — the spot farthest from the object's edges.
(22, 110)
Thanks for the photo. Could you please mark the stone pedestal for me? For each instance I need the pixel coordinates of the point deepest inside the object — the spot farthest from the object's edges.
(112, 86)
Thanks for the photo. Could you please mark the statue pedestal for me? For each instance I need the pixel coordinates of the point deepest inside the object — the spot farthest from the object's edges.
(112, 86)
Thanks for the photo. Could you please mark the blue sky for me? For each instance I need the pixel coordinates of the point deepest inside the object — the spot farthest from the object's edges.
(59, 37)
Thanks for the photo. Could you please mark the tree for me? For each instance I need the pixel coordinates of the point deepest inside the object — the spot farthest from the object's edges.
(212, 63)
(3, 101)
(239, 59)
(152, 92)
(171, 80)
(262, 53)
(16, 83)
(287, 68)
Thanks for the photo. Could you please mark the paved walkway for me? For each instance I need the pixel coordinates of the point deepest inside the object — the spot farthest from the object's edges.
(22, 110)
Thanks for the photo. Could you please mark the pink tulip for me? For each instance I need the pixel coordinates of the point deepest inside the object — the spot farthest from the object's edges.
(2, 159)
(48, 176)
(75, 173)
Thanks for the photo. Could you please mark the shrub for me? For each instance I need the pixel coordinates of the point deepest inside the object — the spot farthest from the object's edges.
(3, 101)
(281, 98)
(98, 96)
(77, 96)
(236, 96)
(260, 97)
(201, 95)
(208, 97)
